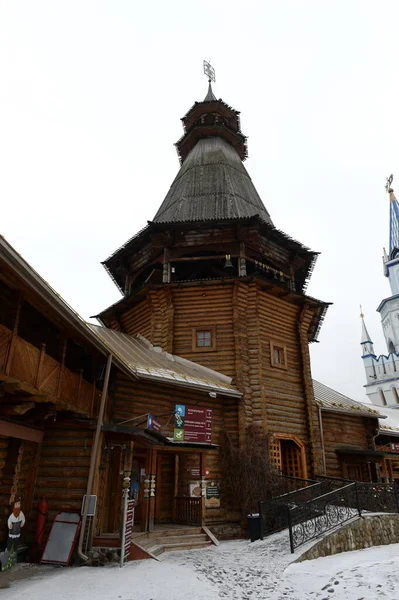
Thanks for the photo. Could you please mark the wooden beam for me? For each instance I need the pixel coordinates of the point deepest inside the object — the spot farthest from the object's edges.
(20, 432)
(16, 409)
(23, 391)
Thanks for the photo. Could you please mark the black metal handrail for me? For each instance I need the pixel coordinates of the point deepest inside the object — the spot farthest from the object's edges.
(273, 512)
(319, 515)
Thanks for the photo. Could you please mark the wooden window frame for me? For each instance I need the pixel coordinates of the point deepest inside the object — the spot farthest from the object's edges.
(195, 330)
(274, 346)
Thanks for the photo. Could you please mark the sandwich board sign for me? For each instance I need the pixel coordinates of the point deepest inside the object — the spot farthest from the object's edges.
(62, 539)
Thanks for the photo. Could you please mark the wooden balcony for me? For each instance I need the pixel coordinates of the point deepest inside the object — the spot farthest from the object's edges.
(23, 364)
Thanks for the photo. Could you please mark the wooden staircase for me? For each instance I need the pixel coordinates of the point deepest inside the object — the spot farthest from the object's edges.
(174, 539)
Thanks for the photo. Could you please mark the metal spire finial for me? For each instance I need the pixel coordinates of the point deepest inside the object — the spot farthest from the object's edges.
(361, 312)
(209, 71)
(388, 185)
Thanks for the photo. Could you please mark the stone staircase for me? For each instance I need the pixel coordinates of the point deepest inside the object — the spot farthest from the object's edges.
(175, 539)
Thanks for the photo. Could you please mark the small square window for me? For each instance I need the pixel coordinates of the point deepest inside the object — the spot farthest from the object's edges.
(203, 339)
(278, 355)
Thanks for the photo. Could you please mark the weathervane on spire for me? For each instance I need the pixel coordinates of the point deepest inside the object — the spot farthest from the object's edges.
(388, 185)
(209, 71)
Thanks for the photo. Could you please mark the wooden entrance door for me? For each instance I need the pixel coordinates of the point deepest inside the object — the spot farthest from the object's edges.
(165, 488)
(291, 459)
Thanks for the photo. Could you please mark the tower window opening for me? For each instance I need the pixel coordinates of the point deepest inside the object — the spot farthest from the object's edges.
(395, 394)
(382, 397)
(203, 339)
(278, 355)
(391, 347)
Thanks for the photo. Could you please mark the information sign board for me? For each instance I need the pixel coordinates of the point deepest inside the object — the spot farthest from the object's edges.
(193, 424)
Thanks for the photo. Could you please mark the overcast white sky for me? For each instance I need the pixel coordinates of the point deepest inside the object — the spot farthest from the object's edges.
(91, 96)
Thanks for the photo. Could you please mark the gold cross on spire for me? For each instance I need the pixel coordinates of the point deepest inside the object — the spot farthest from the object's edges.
(209, 71)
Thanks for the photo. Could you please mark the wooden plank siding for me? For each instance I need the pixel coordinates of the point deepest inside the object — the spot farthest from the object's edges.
(349, 431)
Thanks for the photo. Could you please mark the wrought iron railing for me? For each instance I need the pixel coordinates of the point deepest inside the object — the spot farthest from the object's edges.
(373, 497)
(187, 511)
(318, 506)
(319, 515)
(274, 511)
(378, 497)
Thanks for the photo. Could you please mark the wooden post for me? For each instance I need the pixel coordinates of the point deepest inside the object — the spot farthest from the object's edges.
(14, 335)
(166, 267)
(176, 487)
(242, 265)
(203, 487)
(151, 500)
(79, 386)
(17, 472)
(62, 367)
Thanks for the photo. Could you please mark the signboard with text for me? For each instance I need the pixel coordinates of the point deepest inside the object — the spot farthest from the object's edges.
(395, 448)
(193, 424)
(153, 424)
(212, 494)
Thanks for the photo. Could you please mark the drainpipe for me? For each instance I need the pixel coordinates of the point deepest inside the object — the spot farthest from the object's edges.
(93, 458)
(323, 450)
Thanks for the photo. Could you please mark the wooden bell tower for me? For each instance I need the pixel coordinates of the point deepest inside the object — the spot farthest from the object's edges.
(212, 280)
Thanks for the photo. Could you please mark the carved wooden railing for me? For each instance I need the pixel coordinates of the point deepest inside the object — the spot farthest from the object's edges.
(20, 359)
(187, 511)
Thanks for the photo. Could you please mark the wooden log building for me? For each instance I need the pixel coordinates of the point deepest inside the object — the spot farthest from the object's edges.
(212, 280)
(214, 316)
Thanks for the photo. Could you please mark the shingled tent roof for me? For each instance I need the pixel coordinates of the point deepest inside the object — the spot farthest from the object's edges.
(212, 184)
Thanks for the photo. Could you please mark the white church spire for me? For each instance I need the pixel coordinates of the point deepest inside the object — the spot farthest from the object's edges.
(366, 341)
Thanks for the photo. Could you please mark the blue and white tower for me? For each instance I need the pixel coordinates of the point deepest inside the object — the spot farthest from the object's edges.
(382, 372)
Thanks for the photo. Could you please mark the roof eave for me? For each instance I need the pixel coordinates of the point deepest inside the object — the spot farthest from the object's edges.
(354, 413)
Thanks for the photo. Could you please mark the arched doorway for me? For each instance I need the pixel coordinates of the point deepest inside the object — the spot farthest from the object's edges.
(288, 455)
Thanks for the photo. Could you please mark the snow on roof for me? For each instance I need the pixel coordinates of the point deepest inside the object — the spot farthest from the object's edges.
(331, 400)
(390, 424)
(149, 362)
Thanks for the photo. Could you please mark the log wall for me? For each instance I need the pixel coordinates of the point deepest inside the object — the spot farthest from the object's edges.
(348, 431)
(246, 319)
(133, 398)
(63, 468)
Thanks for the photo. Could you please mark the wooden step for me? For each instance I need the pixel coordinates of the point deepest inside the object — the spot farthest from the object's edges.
(172, 539)
(160, 549)
(175, 531)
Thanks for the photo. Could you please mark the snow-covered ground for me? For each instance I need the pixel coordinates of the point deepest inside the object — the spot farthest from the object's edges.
(235, 570)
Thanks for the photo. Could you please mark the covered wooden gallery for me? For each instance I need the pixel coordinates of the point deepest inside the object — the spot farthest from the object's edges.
(52, 373)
